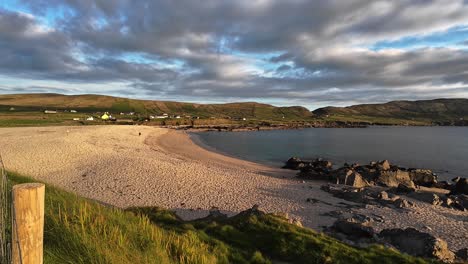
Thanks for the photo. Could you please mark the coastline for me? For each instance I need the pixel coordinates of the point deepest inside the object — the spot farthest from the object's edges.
(165, 168)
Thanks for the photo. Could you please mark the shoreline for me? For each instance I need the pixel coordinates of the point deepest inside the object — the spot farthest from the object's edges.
(165, 168)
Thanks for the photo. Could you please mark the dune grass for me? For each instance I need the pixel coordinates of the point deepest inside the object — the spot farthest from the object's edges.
(78, 230)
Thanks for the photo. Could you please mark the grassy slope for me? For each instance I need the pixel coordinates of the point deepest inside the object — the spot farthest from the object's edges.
(82, 231)
(90, 103)
(413, 112)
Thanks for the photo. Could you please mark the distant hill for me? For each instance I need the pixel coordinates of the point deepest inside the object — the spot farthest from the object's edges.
(438, 110)
(90, 103)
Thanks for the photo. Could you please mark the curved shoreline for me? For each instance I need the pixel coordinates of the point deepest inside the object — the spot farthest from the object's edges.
(165, 168)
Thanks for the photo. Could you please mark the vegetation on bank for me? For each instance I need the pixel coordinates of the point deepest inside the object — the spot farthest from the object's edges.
(79, 230)
(28, 110)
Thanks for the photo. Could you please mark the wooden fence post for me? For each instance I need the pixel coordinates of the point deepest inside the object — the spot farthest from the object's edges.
(28, 223)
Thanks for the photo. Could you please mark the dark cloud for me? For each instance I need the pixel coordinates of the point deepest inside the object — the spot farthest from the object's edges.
(223, 49)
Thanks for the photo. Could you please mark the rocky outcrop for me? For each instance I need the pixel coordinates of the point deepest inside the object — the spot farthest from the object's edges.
(416, 243)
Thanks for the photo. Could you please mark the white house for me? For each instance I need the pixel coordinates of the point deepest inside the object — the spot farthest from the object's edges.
(50, 112)
(76, 119)
(90, 118)
(73, 111)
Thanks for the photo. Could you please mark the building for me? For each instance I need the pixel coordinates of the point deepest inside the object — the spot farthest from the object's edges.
(76, 119)
(105, 116)
(73, 111)
(90, 118)
(50, 112)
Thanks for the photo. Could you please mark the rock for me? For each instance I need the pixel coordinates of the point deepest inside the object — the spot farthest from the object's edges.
(442, 185)
(459, 202)
(391, 178)
(383, 195)
(322, 163)
(423, 177)
(405, 188)
(431, 198)
(353, 229)
(456, 179)
(383, 165)
(461, 187)
(462, 254)
(416, 243)
(403, 203)
(351, 178)
(294, 163)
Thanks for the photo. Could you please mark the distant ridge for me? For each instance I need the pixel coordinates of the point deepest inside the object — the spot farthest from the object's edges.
(425, 110)
(91, 102)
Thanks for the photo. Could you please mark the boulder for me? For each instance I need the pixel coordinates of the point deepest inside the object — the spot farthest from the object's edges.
(294, 163)
(391, 178)
(416, 243)
(456, 179)
(314, 173)
(351, 178)
(321, 163)
(353, 229)
(461, 187)
(423, 177)
(383, 165)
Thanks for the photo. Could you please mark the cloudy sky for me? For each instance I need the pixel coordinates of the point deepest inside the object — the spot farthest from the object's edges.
(285, 52)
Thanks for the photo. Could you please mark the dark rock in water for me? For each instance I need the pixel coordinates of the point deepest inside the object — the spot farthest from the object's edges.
(423, 177)
(461, 187)
(318, 169)
(431, 198)
(294, 164)
(416, 243)
(351, 178)
(353, 229)
(462, 254)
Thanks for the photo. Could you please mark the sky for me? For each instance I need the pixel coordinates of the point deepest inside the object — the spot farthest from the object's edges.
(312, 53)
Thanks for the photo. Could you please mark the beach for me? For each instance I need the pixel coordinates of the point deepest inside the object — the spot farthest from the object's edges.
(117, 166)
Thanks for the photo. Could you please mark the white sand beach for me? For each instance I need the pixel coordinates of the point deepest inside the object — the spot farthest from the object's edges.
(162, 167)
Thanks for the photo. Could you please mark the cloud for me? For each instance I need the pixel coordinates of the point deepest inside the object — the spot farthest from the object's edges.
(297, 50)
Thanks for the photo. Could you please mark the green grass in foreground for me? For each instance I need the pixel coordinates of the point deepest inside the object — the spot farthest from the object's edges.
(78, 230)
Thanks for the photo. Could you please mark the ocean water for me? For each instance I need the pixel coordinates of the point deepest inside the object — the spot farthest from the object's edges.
(441, 149)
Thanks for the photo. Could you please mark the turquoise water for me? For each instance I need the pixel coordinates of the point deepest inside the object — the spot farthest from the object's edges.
(441, 149)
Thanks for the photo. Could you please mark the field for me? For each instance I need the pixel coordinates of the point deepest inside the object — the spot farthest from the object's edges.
(78, 230)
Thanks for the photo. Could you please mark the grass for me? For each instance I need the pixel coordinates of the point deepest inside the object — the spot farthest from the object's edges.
(79, 230)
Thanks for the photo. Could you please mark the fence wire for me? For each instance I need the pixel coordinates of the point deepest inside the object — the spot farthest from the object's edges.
(5, 227)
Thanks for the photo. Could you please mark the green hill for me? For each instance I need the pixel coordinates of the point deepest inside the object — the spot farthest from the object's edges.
(92, 103)
(424, 112)
(78, 230)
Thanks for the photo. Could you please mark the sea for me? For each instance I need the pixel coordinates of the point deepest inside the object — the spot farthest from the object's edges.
(444, 150)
